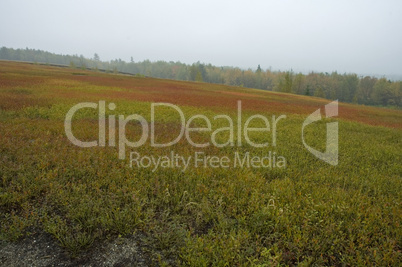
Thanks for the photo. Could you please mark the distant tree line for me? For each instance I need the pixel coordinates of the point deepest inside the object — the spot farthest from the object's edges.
(345, 87)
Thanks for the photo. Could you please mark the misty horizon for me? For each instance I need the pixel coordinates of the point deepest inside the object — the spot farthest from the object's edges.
(359, 37)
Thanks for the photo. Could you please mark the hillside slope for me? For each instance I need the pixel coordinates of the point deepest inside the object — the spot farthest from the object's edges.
(301, 210)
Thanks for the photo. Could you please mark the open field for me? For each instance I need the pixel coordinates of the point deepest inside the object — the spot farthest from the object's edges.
(306, 213)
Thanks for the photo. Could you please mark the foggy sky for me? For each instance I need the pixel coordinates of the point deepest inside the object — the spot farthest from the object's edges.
(363, 37)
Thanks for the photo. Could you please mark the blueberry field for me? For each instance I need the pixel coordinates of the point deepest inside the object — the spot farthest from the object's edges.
(231, 204)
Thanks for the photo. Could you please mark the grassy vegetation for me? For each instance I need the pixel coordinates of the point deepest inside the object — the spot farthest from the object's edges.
(307, 213)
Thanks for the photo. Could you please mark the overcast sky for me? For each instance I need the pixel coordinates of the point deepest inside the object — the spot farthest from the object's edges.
(364, 37)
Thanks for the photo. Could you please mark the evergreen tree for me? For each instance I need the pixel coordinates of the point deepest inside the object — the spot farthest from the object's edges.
(258, 69)
(346, 87)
